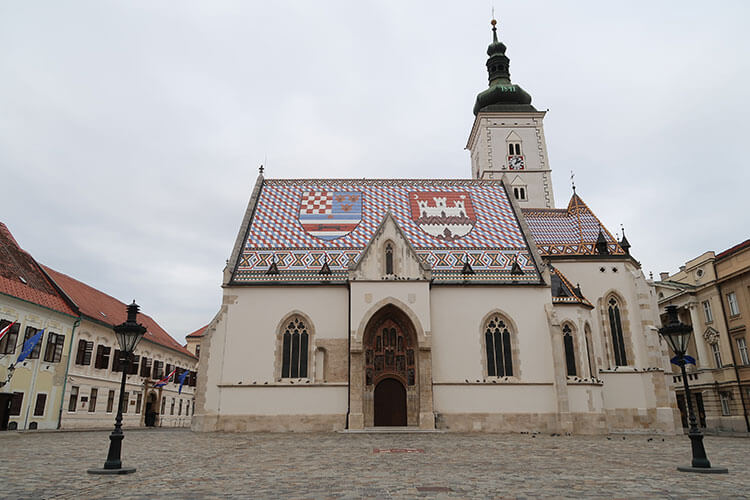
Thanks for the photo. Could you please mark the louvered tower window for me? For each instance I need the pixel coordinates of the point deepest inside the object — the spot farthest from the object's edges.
(294, 350)
(570, 353)
(615, 325)
(497, 344)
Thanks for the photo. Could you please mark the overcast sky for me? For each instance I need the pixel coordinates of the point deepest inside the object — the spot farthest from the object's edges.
(131, 132)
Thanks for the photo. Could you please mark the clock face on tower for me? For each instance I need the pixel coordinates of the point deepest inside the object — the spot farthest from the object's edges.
(515, 162)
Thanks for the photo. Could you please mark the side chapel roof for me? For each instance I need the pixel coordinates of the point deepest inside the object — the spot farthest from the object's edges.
(298, 225)
(563, 291)
(104, 308)
(568, 231)
(22, 278)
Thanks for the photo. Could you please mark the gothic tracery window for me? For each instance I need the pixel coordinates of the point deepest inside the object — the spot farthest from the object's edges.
(615, 326)
(294, 349)
(570, 353)
(498, 348)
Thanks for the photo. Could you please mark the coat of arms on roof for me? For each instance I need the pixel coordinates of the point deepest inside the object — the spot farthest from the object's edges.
(330, 214)
(446, 215)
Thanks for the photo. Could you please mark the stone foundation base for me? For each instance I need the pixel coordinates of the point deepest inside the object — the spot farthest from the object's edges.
(641, 420)
(269, 423)
(621, 420)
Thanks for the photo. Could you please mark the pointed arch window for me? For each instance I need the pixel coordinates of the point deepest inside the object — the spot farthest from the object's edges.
(389, 259)
(615, 325)
(294, 349)
(570, 353)
(498, 347)
(589, 346)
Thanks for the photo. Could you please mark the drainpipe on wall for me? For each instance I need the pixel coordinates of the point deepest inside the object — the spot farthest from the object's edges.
(731, 351)
(349, 357)
(67, 368)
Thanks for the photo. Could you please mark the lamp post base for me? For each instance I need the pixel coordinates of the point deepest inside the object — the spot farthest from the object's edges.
(704, 470)
(122, 470)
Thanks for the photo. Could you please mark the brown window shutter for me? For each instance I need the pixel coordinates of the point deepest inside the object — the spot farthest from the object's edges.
(81, 352)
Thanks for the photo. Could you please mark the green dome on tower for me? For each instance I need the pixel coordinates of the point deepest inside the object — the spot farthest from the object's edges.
(502, 95)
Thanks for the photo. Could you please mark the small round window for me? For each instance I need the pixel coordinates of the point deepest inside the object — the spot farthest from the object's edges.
(699, 273)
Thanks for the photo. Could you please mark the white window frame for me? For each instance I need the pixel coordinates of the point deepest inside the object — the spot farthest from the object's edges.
(725, 409)
(742, 348)
(717, 354)
(734, 307)
(707, 311)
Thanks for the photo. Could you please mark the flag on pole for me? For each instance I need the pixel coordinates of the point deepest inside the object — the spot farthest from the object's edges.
(6, 330)
(182, 380)
(164, 381)
(29, 345)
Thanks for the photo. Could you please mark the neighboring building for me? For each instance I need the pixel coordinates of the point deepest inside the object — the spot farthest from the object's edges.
(465, 305)
(95, 370)
(194, 341)
(72, 377)
(28, 298)
(712, 293)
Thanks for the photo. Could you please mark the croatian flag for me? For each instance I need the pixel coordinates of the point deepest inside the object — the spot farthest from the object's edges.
(164, 381)
(330, 214)
(182, 380)
(5, 330)
(29, 345)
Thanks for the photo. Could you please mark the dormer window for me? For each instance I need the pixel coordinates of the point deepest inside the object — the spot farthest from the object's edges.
(389, 259)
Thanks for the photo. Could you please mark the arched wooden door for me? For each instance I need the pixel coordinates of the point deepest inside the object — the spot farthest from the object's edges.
(390, 403)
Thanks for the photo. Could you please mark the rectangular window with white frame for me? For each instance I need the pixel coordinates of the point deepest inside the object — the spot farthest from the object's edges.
(707, 311)
(724, 397)
(734, 307)
(717, 354)
(742, 348)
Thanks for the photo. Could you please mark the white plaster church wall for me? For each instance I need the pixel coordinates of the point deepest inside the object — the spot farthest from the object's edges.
(459, 314)
(240, 356)
(369, 297)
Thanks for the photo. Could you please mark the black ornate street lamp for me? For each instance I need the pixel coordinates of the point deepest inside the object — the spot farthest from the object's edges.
(678, 335)
(128, 335)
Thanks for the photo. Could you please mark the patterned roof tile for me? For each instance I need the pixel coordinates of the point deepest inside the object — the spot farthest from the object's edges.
(299, 224)
(568, 231)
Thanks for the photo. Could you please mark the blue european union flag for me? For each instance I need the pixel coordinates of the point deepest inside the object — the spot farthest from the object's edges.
(182, 380)
(29, 345)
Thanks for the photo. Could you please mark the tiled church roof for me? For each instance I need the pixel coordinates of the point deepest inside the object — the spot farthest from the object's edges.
(21, 277)
(568, 231)
(101, 307)
(300, 224)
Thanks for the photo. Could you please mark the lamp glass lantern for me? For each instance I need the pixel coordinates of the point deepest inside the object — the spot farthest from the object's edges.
(677, 333)
(130, 333)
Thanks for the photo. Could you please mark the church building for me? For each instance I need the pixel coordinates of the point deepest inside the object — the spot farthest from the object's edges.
(459, 305)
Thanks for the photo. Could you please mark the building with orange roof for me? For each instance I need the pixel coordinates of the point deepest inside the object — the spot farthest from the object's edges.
(712, 294)
(30, 302)
(72, 378)
(95, 371)
(194, 341)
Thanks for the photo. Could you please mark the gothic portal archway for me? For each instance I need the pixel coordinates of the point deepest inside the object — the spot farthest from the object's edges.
(390, 403)
(391, 365)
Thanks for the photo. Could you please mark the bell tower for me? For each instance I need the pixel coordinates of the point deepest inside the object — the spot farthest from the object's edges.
(507, 138)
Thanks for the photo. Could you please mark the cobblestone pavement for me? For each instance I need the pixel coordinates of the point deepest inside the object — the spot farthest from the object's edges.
(183, 464)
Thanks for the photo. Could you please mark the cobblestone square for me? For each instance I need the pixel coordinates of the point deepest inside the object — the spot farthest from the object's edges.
(183, 464)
